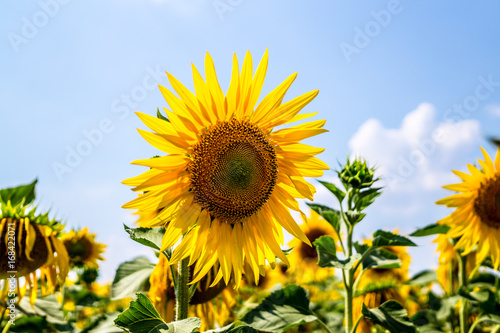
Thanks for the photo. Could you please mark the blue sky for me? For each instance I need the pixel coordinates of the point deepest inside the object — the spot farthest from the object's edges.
(391, 74)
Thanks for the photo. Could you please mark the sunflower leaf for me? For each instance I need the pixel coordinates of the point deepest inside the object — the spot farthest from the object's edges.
(484, 297)
(423, 278)
(331, 215)
(354, 217)
(19, 193)
(142, 317)
(282, 310)
(431, 229)
(235, 327)
(383, 238)
(391, 315)
(380, 258)
(338, 193)
(147, 236)
(131, 277)
(327, 254)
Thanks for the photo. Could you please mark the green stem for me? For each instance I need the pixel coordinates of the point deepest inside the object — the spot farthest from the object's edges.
(357, 323)
(323, 325)
(182, 290)
(6, 327)
(462, 279)
(349, 285)
(496, 329)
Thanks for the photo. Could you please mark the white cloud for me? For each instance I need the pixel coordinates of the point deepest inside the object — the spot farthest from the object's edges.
(420, 153)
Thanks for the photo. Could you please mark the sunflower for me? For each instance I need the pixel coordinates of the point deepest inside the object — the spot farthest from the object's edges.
(229, 177)
(476, 219)
(212, 304)
(447, 272)
(304, 267)
(29, 241)
(378, 285)
(373, 299)
(82, 248)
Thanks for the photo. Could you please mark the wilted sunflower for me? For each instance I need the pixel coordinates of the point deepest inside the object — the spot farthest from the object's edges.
(82, 248)
(229, 177)
(476, 219)
(211, 304)
(29, 242)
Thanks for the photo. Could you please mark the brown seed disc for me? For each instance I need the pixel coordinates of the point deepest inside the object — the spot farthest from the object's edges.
(487, 203)
(233, 170)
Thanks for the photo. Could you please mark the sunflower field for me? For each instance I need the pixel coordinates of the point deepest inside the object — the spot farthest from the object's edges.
(226, 207)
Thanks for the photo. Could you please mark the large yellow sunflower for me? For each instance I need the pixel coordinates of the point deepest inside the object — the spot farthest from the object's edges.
(30, 245)
(82, 248)
(476, 219)
(228, 179)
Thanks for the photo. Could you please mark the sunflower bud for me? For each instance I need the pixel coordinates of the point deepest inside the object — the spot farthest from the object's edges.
(357, 174)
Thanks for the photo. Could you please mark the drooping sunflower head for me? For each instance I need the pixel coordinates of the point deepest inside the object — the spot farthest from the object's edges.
(31, 245)
(228, 178)
(82, 248)
(476, 219)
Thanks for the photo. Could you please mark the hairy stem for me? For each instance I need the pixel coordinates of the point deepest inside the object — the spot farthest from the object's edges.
(182, 290)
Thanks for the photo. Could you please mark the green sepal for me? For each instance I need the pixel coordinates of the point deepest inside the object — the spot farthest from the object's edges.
(160, 116)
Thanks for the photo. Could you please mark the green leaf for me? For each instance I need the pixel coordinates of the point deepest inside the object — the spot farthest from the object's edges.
(391, 315)
(235, 327)
(47, 307)
(491, 318)
(160, 116)
(282, 310)
(383, 238)
(484, 298)
(327, 253)
(331, 215)
(354, 217)
(380, 258)
(367, 197)
(19, 193)
(29, 324)
(431, 229)
(142, 317)
(105, 324)
(131, 277)
(147, 236)
(339, 194)
(423, 278)
(426, 322)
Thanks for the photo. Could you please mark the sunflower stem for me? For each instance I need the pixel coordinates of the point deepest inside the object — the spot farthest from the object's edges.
(462, 279)
(182, 290)
(349, 285)
(6, 327)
